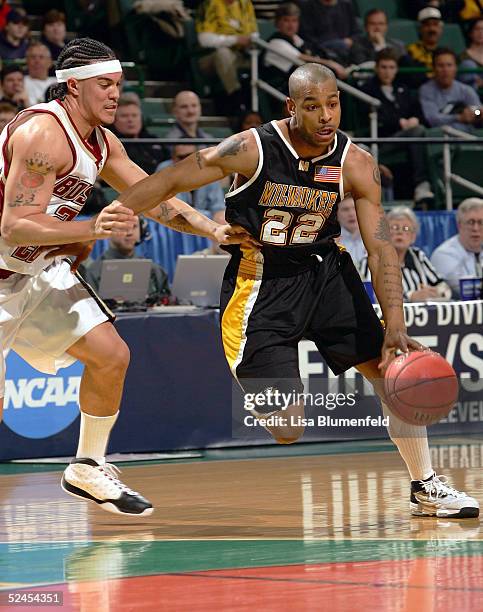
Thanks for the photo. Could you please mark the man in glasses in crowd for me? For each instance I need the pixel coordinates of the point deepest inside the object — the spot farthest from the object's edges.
(462, 255)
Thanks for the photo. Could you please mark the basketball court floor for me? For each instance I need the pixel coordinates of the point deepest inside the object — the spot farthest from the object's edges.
(307, 527)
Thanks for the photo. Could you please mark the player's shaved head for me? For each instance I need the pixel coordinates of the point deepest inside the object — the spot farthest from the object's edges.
(308, 74)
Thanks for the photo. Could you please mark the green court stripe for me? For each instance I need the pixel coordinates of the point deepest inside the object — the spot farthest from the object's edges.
(44, 563)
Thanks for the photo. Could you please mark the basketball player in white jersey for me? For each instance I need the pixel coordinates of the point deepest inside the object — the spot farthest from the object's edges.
(50, 156)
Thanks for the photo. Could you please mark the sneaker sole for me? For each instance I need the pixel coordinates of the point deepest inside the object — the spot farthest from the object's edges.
(107, 506)
(462, 513)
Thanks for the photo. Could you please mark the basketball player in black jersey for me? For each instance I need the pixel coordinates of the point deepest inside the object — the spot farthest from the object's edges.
(290, 176)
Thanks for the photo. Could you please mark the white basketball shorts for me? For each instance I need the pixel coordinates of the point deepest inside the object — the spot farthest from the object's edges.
(42, 316)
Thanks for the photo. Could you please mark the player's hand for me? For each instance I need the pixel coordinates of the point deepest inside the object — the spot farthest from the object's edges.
(233, 234)
(79, 250)
(395, 341)
(114, 220)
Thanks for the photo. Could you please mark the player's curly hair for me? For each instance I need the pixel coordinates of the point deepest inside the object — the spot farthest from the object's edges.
(79, 52)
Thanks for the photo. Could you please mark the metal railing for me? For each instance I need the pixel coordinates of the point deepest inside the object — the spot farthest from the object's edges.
(448, 175)
(256, 83)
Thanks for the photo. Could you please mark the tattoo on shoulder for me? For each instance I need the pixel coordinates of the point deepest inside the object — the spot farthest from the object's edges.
(382, 230)
(376, 175)
(199, 160)
(232, 146)
(37, 167)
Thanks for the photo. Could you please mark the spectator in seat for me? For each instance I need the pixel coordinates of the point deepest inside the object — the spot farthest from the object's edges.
(249, 119)
(53, 32)
(226, 27)
(446, 101)
(187, 112)
(129, 124)
(37, 79)
(374, 39)
(13, 87)
(14, 39)
(472, 57)
(398, 116)
(449, 9)
(124, 247)
(277, 69)
(350, 235)
(462, 255)
(329, 25)
(420, 280)
(208, 199)
(7, 113)
(420, 54)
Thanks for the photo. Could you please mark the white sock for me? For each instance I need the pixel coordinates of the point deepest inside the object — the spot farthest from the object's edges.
(94, 436)
(412, 443)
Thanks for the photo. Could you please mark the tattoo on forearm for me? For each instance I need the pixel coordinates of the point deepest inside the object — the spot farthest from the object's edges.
(382, 230)
(199, 160)
(179, 221)
(232, 146)
(392, 282)
(376, 175)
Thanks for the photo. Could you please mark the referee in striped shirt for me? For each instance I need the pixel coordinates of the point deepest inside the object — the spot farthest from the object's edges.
(420, 280)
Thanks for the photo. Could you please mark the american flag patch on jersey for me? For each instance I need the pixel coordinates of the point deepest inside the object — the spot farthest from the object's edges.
(327, 174)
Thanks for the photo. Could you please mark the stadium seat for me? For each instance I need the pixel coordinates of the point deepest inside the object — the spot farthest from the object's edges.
(155, 108)
(266, 28)
(388, 6)
(453, 38)
(403, 29)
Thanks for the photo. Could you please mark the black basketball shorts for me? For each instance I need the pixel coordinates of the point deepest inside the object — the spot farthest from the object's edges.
(265, 315)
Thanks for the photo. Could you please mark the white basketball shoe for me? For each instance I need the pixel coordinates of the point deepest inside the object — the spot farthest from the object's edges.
(86, 479)
(434, 497)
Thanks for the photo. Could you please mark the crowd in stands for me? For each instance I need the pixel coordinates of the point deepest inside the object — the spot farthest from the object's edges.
(408, 55)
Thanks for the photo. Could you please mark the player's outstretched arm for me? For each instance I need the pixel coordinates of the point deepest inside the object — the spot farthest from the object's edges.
(361, 177)
(35, 162)
(236, 154)
(121, 173)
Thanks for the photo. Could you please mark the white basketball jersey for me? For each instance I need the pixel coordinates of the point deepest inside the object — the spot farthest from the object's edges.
(70, 189)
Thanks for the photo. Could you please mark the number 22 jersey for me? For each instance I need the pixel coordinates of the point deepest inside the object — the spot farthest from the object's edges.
(290, 204)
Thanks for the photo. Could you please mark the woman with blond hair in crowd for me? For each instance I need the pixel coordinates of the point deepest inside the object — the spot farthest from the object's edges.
(420, 280)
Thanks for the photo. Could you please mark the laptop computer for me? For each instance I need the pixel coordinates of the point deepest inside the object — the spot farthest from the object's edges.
(125, 280)
(198, 278)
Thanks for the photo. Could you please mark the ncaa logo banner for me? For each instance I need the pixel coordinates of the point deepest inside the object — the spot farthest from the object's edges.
(39, 405)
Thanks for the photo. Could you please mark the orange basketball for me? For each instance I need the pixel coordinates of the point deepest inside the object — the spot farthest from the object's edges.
(421, 387)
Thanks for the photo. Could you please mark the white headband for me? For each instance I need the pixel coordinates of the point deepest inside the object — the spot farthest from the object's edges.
(88, 71)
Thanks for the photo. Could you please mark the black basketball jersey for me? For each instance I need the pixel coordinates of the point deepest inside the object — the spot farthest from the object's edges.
(290, 203)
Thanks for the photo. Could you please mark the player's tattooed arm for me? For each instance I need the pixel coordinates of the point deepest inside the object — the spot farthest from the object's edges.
(182, 218)
(234, 145)
(382, 230)
(36, 168)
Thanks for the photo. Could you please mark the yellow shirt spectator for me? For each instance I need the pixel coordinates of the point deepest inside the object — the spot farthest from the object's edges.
(419, 53)
(471, 10)
(228, 18)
